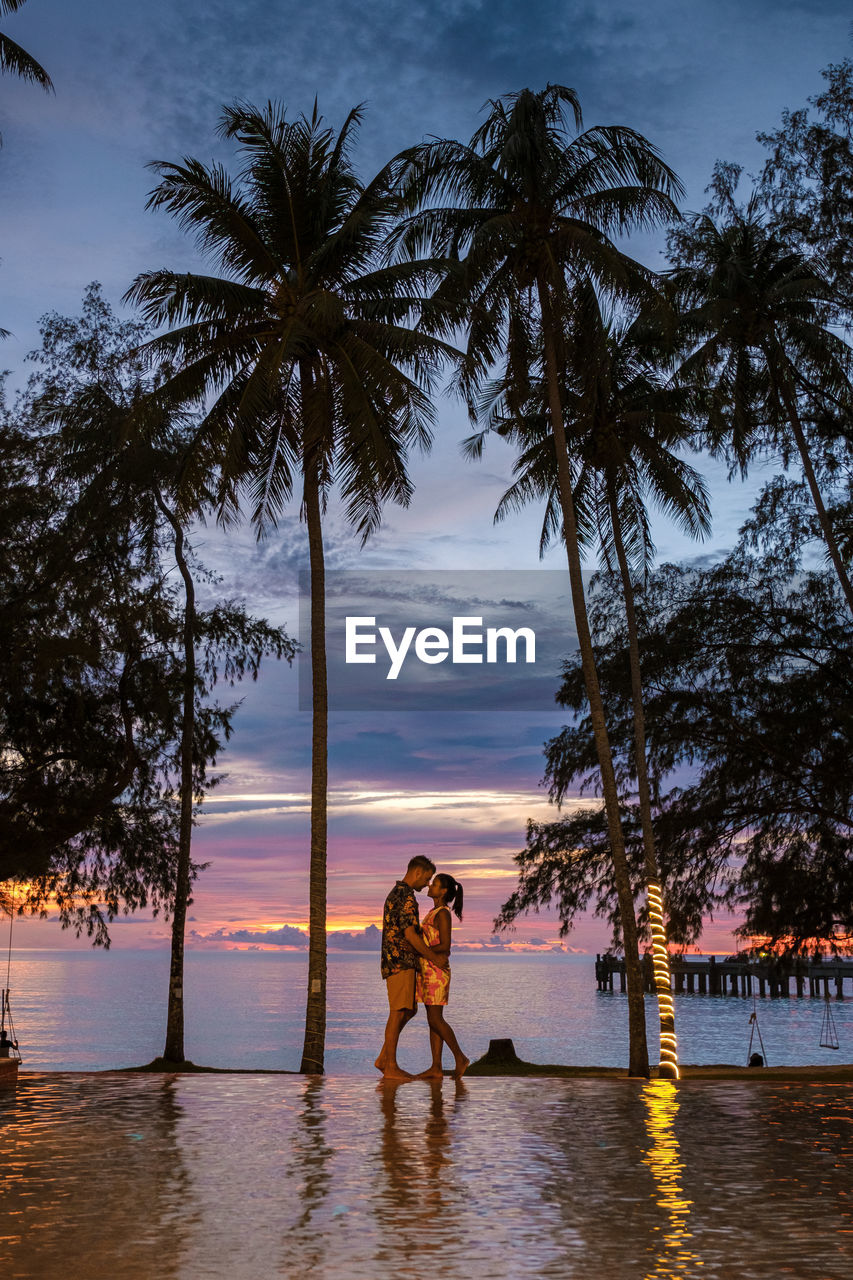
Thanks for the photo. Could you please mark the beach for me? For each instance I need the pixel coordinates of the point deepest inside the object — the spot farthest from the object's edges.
(241, 1176)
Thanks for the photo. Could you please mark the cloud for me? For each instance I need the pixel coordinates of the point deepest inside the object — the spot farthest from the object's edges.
(291, 937)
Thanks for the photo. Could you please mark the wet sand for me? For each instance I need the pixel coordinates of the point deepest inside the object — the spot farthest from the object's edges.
(811, 1074)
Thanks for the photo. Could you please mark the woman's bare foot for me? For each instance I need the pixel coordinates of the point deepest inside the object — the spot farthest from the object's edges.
(379, 1064)
(462, 1065)
(431, 1073)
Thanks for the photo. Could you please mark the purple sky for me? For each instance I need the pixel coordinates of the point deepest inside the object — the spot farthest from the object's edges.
(144, 82)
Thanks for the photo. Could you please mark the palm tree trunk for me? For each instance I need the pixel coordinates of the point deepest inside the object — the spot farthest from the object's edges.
(660, 950)
(790, 402)
(174, 1048)
(315, 1013)
(638, 1053)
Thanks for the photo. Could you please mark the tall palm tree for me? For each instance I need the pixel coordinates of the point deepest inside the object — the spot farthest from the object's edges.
(15, 59)
(20, 63)
(757, 314)
(625, 421)
(308, 343)
(528, 210)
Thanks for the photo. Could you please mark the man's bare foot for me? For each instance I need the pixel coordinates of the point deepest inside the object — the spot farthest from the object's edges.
(379, 1064)
(396, 1073)
(462, 1065)
(431, 1073)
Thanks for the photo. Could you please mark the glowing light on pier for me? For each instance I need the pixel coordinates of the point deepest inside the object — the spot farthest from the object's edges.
(663, 984)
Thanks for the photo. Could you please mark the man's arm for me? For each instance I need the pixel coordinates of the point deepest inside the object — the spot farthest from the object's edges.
(417, 943)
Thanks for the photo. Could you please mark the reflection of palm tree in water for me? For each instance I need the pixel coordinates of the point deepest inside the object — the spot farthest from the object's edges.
(173, 1181)
(663, 1157)
(311, 1166)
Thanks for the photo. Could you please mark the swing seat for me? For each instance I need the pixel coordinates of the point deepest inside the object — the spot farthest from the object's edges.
(828, 1032)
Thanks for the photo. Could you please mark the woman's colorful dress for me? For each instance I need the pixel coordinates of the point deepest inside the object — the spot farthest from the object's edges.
(432, 984)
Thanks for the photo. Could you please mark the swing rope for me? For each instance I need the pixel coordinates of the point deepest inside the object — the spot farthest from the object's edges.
(828, 1032)
(5, 1007)
(753, 1022)
(11, 922)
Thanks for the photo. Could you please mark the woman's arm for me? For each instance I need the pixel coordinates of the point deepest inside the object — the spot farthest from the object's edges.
(417, 943)
(444, 925)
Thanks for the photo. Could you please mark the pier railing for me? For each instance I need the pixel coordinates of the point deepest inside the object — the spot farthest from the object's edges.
(714, 977)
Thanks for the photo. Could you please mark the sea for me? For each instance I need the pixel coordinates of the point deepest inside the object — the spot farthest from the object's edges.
(232, 1177)
(99, 1010)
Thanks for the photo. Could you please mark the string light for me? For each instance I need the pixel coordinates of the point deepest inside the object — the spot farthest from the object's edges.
(663, 984)
(674, 1257)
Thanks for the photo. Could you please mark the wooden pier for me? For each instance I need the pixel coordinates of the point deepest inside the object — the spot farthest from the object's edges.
(777, 978)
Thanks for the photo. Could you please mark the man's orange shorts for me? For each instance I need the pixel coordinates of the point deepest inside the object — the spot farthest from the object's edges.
(401, 989)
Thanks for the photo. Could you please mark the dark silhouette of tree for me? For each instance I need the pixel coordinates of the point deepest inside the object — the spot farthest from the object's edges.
(98, 489)
(756, 313)
(16, 60)
(749, 722)
(527, 211)
(806, 183)
(626, 423)
(311, 346)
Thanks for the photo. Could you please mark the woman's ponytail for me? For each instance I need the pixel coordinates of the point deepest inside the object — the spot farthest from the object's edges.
(453, 895)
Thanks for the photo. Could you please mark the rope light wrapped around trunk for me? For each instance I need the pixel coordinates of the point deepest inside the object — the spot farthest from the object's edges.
(663, 984)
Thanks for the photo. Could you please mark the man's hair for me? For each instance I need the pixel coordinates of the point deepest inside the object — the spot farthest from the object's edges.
(421, 862)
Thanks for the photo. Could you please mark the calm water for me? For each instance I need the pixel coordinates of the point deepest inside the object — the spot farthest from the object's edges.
(88, 1010)
(132, 1177)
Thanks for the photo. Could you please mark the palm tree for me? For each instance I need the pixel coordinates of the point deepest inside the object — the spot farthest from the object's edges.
(528, 210)
(305, 339)
(757, 313)
(15, 59)
(625, 422)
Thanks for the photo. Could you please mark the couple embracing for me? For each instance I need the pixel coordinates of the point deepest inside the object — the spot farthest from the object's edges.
(416, 965)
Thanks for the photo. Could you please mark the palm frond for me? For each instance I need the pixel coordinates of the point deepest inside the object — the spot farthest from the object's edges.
(19, 63)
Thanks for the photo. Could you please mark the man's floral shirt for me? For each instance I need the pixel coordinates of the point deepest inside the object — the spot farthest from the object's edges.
(401, 910)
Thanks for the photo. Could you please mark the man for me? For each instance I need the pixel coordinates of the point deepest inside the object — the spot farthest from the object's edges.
(401, 945)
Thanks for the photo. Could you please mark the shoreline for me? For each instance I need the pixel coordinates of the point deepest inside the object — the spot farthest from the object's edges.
(841, 1073)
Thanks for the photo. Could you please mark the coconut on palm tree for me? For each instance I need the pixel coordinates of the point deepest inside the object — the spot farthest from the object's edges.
(303, 347)
(757, 316)
(626, 422)
(527, 208)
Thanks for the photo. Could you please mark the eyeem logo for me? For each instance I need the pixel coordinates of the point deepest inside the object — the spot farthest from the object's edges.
(430, 640)
(432, 645)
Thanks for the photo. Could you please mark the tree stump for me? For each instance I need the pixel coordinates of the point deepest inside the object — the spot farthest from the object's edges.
(501, 1053)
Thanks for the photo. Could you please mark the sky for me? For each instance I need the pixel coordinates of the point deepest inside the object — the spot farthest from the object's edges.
(137, 83)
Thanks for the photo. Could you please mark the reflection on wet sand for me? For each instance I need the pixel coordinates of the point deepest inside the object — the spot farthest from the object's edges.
(417, 1161)
(70, 1204)
(674, 1257)
(238, 1177)
(311, 1157)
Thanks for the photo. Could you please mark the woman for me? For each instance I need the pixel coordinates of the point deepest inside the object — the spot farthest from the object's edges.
(433, 984)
